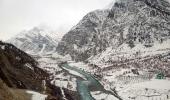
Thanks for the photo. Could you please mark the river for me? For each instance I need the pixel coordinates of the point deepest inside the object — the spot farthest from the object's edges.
(84, 86)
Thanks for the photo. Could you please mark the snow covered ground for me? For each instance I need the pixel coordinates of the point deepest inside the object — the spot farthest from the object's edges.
(37, 96)
(125, 52)
(59, 78)
(129, 85)
(98, 95)
(150, 90)
(154, 84)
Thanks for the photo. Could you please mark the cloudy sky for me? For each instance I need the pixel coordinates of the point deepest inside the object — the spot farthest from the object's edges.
(61, 15)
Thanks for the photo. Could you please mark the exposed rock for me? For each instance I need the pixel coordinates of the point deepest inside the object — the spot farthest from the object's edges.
(132, 22)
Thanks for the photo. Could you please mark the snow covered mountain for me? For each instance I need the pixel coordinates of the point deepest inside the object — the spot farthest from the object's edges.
(126, 47)
(36, 41)
(130, 26)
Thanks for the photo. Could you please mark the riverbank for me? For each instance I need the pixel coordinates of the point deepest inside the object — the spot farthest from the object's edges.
(86, 83)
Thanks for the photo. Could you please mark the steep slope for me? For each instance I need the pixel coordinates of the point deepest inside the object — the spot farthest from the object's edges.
(8, 94)
(126, 47)
(14, 64)
(128, 24)
(38, 40)
(81, 40)
(18, 70)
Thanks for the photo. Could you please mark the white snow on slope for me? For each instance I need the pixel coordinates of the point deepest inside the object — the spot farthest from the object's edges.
(37, 96)
(59, 77)
(102, 96)
(151, 90)
(125, 52)
(62, 91)
(43, 48)
(2, 47)
(154, 84)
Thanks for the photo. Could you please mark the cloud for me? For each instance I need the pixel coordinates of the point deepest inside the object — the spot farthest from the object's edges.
(17, 15)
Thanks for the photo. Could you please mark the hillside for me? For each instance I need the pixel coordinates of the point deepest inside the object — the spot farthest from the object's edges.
(18, 70)
(7, 93)
(129, 24)
(123, 49)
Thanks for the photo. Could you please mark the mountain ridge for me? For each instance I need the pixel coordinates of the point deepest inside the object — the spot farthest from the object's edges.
(38, 40)
(129, 22)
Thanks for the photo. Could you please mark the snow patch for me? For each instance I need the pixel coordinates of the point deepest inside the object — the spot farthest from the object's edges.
(37, 96)
(29, 66)
(3, 47)
(154, 84)
(62, 91)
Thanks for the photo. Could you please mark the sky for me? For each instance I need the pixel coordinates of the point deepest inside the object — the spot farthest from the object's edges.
(61, 15)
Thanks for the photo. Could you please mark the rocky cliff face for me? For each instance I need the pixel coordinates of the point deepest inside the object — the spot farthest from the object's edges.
(128, 22)
(82, 40)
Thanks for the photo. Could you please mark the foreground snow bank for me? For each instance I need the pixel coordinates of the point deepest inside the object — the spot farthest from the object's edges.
(36, 95)
(150, 90)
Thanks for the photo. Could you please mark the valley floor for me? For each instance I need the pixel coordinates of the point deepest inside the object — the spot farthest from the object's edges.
(129, 83)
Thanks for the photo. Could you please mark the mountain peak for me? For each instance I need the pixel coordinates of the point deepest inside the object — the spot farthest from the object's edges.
(37, 40)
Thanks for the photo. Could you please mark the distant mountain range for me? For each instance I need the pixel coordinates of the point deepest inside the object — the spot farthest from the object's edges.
(36, 41)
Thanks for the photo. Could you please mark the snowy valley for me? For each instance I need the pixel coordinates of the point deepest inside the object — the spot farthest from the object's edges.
(121, 52)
